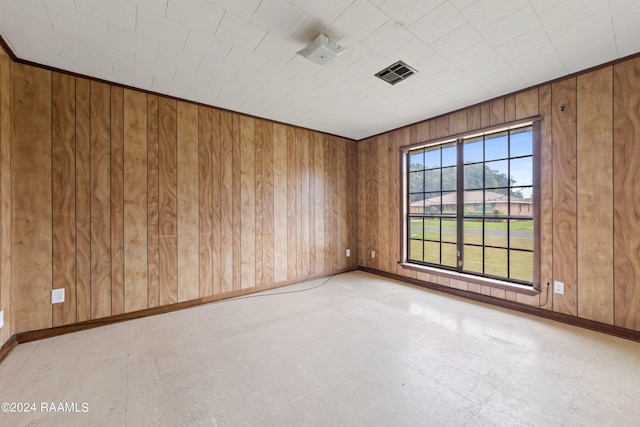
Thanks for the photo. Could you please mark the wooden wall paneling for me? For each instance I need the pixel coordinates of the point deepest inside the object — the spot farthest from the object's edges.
(564, 194)
(363, 225)
(167, 201)
(352, 202)
(248, 202)
(458, 122)
(342, 199)
(205, 201)
(83, 199)
(485, 114)
(383, 202)
(595, 195)
(5, 192)
(281, 203)
(187, 192)
(442, 126)
(496, 111)
(404, 138)
(117, 200)
(509, 116)
(153, 233)
(63, 152)
(268, 203)
(135, 201)
(527, 104)
(216, 223)
(626, 196)
(433, 132)
(395, 207)
(311, 216)
(372, 203)
(319, 202)
(101, 200)
(259, 220)
(226, 201)
(292, 204)
(302, 145)
(236, 186)
(31, 198)
(523, 109)
(423, 130)
(331, 201)
(473, 117)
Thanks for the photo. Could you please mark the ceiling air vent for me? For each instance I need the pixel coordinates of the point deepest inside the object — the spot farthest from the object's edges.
(395, 73)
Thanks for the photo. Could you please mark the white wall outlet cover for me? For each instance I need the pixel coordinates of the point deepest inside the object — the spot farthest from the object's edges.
(1, 318)
(57, 296)
(373, 254)
(558, 287)
(348, 252)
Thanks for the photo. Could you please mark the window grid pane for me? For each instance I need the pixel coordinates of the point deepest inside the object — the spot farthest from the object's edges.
(496, 225)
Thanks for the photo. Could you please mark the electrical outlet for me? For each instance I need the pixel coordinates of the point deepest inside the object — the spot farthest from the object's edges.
(558, 287)
(373, 254)
(348, 252)
(1, 318)
(57, 296)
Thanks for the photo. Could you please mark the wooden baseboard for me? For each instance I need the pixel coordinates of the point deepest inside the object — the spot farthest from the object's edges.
(8, 347)
(515, 306)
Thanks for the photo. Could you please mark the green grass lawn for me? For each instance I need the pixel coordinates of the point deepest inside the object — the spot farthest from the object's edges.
(495, 234)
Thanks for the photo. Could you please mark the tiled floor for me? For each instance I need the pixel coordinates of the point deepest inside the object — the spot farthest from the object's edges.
(357, 351)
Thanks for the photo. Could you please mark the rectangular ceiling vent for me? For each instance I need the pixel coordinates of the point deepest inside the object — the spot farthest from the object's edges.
(395, 73)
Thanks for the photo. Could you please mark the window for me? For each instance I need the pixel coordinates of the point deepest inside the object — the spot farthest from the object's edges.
(470, 204)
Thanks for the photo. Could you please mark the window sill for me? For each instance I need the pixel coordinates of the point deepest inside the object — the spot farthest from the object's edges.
(499, 284)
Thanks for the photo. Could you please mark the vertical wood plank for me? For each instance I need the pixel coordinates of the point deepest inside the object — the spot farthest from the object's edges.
(372, 202)
(319, 201)
(383, 202)
(83, 199)
(423, 131)
(496, 111)
(352, 202)
(442, 126)
(236, 186)
(259, 220)
(226, 201)
(167, 202)
(281, 207)
(331, 202)
(135, 201)
(6, 207)
(595, 195)
(32, 234)
(626, 193)
(311, 217)
(216, 216)
(117, 200)
(63, 152)
(473, 118)
(509, 116)
(153, 297)
(564, 194)
(292, 205)
(187, 195)
(458, 122)
(342, 203)
(205, 199)
(362, 202)
(485, 114)
(100, 200)
(527, 104)
(248, 203)
(302, 145)
(268, 203)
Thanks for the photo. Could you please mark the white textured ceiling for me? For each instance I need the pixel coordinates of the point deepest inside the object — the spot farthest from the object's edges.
(241, 54)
